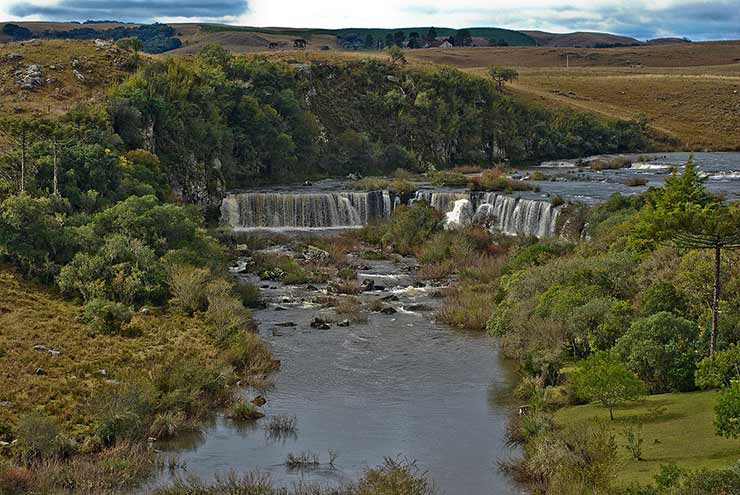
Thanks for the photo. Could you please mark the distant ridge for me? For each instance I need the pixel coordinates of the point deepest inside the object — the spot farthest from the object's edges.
(582, 39)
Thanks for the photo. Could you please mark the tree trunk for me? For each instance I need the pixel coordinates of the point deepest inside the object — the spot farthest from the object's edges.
(56, 181)
(23, 163)
(611, 413)
(715, 300)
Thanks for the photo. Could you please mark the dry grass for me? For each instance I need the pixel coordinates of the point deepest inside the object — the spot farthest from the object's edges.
(31, 315)
(100, 67)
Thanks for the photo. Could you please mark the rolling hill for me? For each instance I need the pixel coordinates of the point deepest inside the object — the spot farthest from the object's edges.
(581, 39)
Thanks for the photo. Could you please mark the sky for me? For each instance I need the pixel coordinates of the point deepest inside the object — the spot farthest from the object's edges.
(643, 19)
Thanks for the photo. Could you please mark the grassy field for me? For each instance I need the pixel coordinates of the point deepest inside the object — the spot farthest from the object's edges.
(31, 315)
(690, 91)
(683, 433)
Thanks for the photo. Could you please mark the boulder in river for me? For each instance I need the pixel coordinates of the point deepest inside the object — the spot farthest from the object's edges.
(286, 324)
(368, 285)
(388, 310)
(259, 401)
(320, 324)
(343, 323)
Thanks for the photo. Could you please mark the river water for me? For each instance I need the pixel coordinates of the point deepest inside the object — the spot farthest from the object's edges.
(398, 385)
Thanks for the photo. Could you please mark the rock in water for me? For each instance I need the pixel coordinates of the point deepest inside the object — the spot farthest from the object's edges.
(259, 401)
(320, 324)
(460, 216)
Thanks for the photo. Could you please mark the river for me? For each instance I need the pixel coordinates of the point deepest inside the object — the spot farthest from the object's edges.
(399, 385)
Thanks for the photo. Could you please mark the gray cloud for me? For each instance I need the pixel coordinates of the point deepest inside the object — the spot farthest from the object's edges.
(131, 10)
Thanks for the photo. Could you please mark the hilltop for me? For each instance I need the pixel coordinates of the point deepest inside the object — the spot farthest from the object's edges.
(52, 76)
(582, 39)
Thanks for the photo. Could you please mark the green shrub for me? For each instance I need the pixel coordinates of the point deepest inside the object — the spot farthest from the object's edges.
(248, 354)
(448, 179)
(106, 317)
(662, 350)
(249, 294)
(720, 369)
(242, 410)
(409, 227)
(727, 410)
(188, 286)
(663, 296)
(38, 437)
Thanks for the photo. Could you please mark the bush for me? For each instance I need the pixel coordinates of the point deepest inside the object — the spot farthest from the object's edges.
(409, 227)
(248, 354)
(242, 410)
(448, 179)
(720, 369)
(38, 438)
(188, 287)
(106, 317)
(249, 294)
(663, 296)
(662, 350)
(727, 410)
(495, 180)
(469, 306)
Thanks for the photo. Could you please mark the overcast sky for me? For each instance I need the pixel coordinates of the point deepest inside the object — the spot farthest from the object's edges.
(696, 19)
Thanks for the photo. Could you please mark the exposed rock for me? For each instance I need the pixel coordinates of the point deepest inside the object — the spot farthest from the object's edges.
(275, 364)
(40, 371)
(320, 324)
(78, 75)
(40, 347)
(316, 255)
(389, 310)
(6, 404)
(312, 287)
(276, 332)
(13, 57)
(55, 353)
(286, 324)
(391, 297)
(30, 78)
(417, 307)
(280, 308)
(343, 323)
(102, 372)
(259, 401)
(460, 216)
(368, 285)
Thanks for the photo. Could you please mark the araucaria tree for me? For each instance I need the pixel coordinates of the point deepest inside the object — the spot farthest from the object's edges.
(686, 215)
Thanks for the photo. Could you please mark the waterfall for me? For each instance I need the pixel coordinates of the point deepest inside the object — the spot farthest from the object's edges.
(310, 210)
(442, 201)
(517, 216)
(507, 214)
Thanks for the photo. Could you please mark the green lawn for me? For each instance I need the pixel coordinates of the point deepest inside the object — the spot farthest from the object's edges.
(683, 433)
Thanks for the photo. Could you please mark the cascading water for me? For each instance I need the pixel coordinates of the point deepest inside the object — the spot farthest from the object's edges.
(321, 210)
(517, 216)
(310, 210)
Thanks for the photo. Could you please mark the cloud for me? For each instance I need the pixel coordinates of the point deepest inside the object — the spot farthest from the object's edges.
(130, 10)
(697, 19)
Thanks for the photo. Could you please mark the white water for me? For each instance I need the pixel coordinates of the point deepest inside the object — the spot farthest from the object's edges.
(335, 210)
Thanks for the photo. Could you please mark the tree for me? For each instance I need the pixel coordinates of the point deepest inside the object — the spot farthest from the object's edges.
(463, 38)
(686, 215)
(397, 56)
(502, 75)
(414, 40)
(431, 35)
(662, 350)
(727, 412)
(370, 41)
(22, 133)
(398, 38)
(602, 377)
(720, 369)
(58, 135)
(132, 43)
